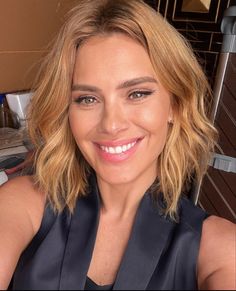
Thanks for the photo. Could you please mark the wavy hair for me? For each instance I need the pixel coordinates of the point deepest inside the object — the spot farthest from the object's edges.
(60, 168)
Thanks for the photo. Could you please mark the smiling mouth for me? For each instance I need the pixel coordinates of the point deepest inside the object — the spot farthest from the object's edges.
(117, 148)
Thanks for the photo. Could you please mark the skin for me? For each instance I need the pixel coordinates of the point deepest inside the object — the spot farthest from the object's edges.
(102, 62)
(217, 256)
(21, 211)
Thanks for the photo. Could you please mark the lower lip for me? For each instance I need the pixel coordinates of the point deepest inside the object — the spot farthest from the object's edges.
(116, 158)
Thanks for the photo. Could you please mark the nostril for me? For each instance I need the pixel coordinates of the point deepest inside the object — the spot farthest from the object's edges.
(114, 122)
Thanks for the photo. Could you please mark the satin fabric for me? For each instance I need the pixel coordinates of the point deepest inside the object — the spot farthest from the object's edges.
(91, 285)
(161, 254)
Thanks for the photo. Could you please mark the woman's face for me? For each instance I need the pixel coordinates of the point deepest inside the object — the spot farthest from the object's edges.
(119, 112)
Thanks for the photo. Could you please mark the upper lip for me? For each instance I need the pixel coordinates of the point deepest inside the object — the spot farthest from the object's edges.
(118, 142)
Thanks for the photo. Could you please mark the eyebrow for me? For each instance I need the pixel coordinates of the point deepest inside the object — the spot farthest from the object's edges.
(123, 85)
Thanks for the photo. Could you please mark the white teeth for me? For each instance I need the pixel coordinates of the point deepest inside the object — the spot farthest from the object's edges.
(111, 150)
(124, 148)
(118, 149)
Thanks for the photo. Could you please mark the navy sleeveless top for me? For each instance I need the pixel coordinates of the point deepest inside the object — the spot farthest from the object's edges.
(91, 285)
(161, 254)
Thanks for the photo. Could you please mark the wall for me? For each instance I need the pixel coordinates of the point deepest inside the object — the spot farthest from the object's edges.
(199, 21)
(27, 26)
(26, 29)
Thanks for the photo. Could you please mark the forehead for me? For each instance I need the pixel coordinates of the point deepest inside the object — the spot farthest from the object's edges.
(116, 52)
(108, 39)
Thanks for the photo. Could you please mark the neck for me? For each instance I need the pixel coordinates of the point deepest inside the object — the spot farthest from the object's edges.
(122, 200)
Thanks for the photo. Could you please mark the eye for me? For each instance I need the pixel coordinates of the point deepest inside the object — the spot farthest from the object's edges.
(86, 100)
(139, 95)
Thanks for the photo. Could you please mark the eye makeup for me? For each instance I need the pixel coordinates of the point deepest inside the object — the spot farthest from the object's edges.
(140, 94)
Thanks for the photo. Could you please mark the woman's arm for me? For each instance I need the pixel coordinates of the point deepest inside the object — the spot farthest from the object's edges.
(217, 257)
(21, 210)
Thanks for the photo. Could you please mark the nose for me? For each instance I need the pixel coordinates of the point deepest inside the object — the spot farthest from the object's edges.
(114, 120)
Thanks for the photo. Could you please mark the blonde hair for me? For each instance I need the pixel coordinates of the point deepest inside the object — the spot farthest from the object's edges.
(60, 169)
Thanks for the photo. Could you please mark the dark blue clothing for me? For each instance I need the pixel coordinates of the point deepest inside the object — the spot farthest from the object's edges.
(91, 285)
(161, 254)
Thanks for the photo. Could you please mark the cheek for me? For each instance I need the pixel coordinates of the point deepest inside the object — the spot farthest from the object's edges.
(154, 119)
(155, 122)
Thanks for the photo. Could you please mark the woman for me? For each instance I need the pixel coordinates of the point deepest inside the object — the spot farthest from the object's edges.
(120, 129)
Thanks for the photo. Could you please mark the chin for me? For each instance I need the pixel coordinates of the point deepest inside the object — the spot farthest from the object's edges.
(116, 178)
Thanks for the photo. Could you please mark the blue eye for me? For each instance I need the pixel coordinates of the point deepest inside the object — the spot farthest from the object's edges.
(139, 95)
(86, 100)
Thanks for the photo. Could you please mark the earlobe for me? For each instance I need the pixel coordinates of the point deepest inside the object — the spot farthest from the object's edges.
(171, 118)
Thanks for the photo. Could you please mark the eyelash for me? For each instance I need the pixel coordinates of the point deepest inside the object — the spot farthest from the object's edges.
(144, 94)
(82, 99)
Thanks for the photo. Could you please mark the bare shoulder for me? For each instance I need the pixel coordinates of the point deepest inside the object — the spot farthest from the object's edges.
(217, 256)
(21, 211)
(21, 192)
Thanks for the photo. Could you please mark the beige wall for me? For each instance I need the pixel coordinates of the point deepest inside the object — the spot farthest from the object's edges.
(26, 29)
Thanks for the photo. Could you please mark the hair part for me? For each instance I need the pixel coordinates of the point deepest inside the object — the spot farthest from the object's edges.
(60, 169)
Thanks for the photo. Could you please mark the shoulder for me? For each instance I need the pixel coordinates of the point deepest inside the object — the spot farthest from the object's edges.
(21, 196)
(217, 256)
(21, 211)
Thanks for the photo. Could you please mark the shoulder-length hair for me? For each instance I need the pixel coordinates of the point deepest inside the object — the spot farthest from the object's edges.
(60, 168)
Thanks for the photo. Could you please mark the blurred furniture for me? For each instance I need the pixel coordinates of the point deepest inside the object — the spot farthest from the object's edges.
(218, 191)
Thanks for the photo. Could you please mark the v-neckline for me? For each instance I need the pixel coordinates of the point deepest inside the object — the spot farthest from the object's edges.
(147, 241)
